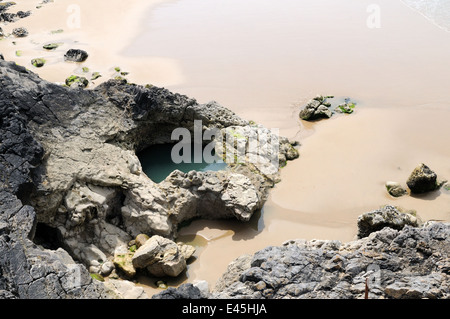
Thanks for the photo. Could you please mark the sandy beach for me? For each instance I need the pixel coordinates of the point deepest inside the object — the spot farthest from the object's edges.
(398, 74)
(102, 31)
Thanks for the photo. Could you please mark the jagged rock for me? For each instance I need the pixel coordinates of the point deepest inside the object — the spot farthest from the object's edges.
(422, 180)
(76, 55)
(315, 109)
(397, 263)
(387, 216)
(160, 256)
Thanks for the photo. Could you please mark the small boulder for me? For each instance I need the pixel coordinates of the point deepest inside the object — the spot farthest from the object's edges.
(422, 180)
(395, 189)
(160, 256)
(20, 32)
(316, 108)
(51, 46)
(140, 240)
(75, 81)
(107, 268)
(387, 216)
(38, 62)
(123, 262)
(76, 55)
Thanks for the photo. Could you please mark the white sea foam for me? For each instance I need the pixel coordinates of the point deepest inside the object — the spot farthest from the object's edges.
(436, 11)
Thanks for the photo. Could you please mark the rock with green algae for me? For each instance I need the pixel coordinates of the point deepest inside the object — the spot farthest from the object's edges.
(123, 262)
(38, 62)
(95, 76)
(77, 81)
(395, 189)
(97, 277)
(348, 107)
(51, 46)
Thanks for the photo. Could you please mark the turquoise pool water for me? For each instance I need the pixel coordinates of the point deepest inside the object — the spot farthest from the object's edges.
(157, 163)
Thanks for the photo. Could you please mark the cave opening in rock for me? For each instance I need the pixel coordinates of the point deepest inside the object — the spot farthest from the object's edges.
(47, 237)
(157, 162)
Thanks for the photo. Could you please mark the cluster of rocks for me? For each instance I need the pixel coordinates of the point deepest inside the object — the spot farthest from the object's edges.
(72, 185)
(319, 108)
(396, 257)
(410, 263)
(7, 17)
(422, 180)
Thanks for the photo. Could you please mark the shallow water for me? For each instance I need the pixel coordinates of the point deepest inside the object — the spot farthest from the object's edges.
(264, 59)
(157, 163)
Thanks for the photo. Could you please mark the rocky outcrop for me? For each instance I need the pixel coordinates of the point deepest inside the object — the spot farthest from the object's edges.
(28, 270)
(386, 216)
(76, 168)
(408, 263)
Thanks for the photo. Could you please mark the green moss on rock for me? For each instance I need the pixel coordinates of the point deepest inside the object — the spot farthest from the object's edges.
(75, 79)
(38, 62)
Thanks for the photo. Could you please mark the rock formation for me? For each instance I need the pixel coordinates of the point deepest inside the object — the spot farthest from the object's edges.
(69, 166)
(410, 263)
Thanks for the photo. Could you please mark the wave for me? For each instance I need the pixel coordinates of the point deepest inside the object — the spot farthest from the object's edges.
(436, 11)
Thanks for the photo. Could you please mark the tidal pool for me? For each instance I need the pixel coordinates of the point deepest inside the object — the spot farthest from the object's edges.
(157, 163)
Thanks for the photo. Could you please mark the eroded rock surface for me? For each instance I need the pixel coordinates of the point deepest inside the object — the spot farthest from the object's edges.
(69, 162)
(410, 263)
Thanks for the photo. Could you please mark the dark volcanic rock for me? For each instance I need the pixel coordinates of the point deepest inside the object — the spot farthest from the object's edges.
(410, 263)
(26, 270)
(422, 180)
(76, 55)
(185, 291)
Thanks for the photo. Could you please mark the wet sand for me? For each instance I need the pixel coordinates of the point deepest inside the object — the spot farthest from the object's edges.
(264, 63)
(102, 28)
(398, 75)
